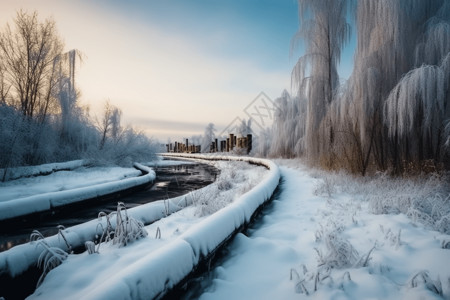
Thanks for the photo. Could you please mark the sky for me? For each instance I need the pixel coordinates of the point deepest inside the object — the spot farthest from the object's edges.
(175, 66)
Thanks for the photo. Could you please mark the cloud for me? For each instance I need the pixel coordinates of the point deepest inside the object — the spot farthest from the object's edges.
(163, 75)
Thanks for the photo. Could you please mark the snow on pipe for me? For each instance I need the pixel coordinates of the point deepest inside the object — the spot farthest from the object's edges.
(157, 273)
(21, 257)
(45, 202)
(223, 223)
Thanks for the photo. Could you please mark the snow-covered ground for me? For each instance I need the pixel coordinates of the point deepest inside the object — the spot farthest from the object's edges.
(167, 248)
(316, 240)
(331, 247)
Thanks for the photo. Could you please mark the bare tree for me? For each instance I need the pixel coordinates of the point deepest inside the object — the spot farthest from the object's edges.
(109, 125)
(104, 125)
(27, 55)
(4, 87)
(116, 128)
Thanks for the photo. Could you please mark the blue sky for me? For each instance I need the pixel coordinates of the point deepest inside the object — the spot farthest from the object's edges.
(175, 66)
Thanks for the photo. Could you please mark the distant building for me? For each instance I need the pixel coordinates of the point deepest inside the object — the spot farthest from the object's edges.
(230, 144)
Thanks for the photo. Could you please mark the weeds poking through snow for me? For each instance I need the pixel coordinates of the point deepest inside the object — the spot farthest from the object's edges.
(158, 233)
(294, 271)
(50, 257)
(423, 279)
(327, 186)
(340, 253)
(166, 206)
(62, 234)
(336, 251)
(346, 276)
(126, 229)
(310, 281)
(394, 239)
(364, 260)
(90, 247)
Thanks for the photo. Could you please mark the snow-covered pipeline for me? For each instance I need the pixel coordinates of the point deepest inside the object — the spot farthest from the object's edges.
(47, 201)
(155, 274)
(163, 269)
(20, 258)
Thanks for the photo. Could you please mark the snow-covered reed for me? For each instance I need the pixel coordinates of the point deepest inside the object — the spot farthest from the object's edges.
(121, 229)
(50, 257)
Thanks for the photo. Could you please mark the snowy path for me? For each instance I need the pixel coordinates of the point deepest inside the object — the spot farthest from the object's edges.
(259, 265)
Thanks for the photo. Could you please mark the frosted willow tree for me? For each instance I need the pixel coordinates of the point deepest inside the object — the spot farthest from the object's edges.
(416, 113)
(325, 31)
(289, 126)
(387, 31)
(394, 37)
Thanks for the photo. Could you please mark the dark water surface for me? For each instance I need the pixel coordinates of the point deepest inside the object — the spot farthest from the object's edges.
(171, 181)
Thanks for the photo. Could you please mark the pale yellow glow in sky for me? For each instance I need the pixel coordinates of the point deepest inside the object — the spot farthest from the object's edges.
(166, 84)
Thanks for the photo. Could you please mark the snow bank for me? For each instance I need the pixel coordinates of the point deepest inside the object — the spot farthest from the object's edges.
(47, 201)
(45, 169)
